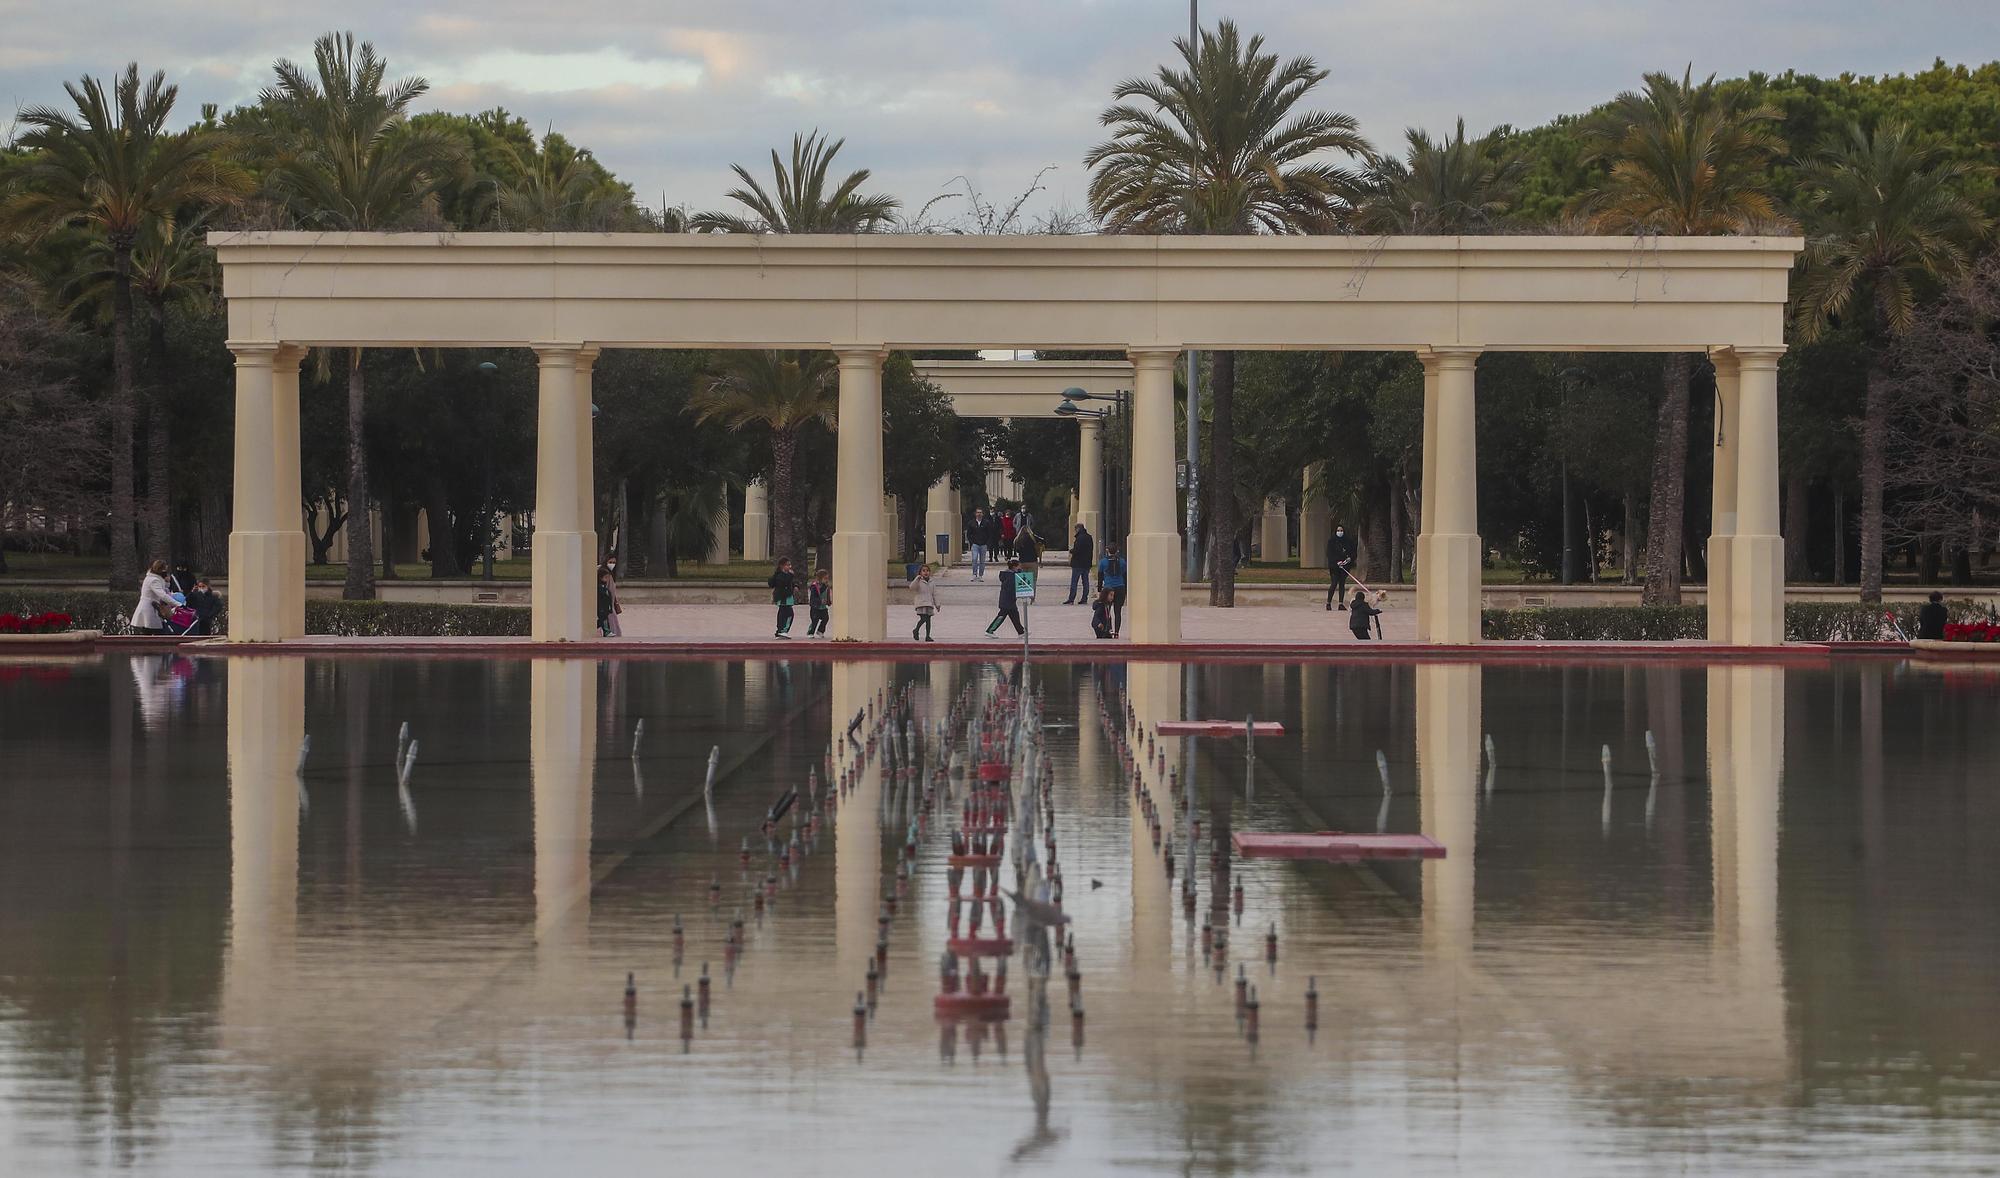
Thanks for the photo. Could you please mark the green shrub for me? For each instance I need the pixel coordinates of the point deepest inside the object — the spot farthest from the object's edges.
(1595, 623)
(1851, 621)
(413, 619)
(370, 619)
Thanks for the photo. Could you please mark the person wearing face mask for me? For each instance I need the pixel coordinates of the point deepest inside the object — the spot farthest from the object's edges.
(1339, 558)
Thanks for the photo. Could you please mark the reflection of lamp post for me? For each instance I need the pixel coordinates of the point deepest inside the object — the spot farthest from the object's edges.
(487, 525)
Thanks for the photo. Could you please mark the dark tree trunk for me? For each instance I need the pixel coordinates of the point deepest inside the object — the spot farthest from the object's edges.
(1839, 536)
(1695, 556)
(1222, 479)
(321, 541)
(1874, 439)
(1669, 497)
(1630, 557)
(637, 558)
(1931, 568)
(360, 584)
(1961, 566)
(1795, 527)
(788, 524)
(158, 512)
(1395, 529)
(124, 549)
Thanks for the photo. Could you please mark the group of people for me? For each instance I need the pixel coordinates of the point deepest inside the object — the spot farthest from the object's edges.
(784, 585)
(175, 601)
(1000, 535)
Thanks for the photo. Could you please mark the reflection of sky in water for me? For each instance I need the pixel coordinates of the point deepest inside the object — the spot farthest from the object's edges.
(1689, 967)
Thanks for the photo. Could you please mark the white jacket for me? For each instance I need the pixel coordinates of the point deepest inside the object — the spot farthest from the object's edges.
(924, 591)
(155, 603)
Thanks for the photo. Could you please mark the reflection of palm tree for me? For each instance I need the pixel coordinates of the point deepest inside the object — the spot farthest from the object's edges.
(1888, 217)
(800, 202)
(347, 158)
(1686, 160)
(114, 169)
(1451, 185)
(1216, 148)
(786, 391)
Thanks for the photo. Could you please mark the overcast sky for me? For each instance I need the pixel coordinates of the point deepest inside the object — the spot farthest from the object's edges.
(669, 93)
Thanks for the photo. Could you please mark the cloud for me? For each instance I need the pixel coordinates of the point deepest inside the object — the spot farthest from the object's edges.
(669, 94)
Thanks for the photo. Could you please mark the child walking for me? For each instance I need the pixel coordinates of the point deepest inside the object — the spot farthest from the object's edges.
(1100, 614)
(925, 591)
(1359, 614)
(819, 604)
(784, 594)
(1009, 611)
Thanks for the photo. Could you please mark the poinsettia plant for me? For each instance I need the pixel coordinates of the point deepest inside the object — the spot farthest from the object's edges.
(1972, 632)
(51, 622)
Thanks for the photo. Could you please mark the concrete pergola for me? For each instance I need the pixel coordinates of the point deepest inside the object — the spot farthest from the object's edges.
(569, 295)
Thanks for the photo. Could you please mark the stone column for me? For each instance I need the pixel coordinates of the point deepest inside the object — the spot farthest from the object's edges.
(940, 520)
(1153, 549)
(1449, 699)
(857, 831)
(1747, 759)
(267, 542)
(1314, 526)
(860, 552)
(757, 522)
(892, 528)
(1757, 564)
(1272, 534)
(1722, 533)
(266, 724)
(1427, 485)
(1448, 548)
(586, 485)
(1090, 476)
(565, 550)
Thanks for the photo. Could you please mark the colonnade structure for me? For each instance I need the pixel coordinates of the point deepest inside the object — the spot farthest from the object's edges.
(569, 295)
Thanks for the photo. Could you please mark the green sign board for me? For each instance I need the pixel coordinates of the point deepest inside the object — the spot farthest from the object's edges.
(1024, 585)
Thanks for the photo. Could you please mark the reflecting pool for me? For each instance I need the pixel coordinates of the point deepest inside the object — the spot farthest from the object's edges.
(1697, 918)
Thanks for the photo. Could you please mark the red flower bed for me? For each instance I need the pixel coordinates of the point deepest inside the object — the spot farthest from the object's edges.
(1972, 632)
(48, 623)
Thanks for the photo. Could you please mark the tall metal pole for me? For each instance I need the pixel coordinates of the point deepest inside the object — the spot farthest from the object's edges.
(1191, 550)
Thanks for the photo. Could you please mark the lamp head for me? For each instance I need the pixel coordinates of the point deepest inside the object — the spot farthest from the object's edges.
(1073, 393)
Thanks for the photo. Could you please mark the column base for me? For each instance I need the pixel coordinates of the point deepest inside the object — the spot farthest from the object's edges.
(267, 586)
(1153, 587)
(940, 523)
(860, 586)
(756, 536)
(1757, 591)
(1721, 597)
(1272, 536)
(1448, 582)
(563, 590)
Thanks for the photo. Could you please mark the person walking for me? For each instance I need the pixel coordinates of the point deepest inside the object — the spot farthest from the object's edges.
(207, 607)
(924, 593)
(979, 538)
(1339, 558)
(1009, 610)
(1111, 579)
(784, 594)
(1100, 614)
(1082, 557)
(608, 579)
(156, 601)
(1931, 618)
(607, 603)
(1360, 614)
(819, 604)
(1007, 532)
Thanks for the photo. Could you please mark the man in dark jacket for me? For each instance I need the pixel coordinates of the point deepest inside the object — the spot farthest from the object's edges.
(1009, 610)
(1931, 618)
(980, 537)
(1339, 558)
(1082, 558)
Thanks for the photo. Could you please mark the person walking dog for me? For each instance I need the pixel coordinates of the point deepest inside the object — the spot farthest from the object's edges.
(1339, 558)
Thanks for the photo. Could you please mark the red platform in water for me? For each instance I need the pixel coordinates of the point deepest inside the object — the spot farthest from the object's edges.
(971, 1006)
(981, 946)
(1338, 845)
(1217, 728)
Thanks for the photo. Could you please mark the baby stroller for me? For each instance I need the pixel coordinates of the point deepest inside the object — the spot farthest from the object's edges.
(182, 617)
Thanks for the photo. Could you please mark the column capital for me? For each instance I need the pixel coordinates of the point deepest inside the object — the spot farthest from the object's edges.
(586, 357)
(1452, 356)
(860, 355)
(1760, 356)
(558, 353)
(255, 352)
(1153, 356)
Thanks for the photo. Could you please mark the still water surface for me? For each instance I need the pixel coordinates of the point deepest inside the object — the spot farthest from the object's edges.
(1770, 946)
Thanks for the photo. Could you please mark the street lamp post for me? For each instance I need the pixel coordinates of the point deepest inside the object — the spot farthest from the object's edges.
(1071, 409)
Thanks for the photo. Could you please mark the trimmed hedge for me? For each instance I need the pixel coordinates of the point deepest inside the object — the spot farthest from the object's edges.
(1805, 621)
(110, 612)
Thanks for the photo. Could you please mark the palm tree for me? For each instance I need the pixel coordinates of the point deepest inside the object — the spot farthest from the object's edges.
(802, 203)
(1215, 147)
(346, 158)
(558, 188)
(1685, 160)
(786, 391)
(1443, 186)
(1888, 218)
(114, 169)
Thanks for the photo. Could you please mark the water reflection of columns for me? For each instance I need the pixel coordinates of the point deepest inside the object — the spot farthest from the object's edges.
(1746, 741)
(1155, 692)
(562, 762)
(267, 716)
(1448, 729)
(857, 832)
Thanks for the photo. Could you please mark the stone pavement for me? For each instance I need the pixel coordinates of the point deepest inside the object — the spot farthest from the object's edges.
(967, 606)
